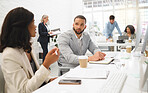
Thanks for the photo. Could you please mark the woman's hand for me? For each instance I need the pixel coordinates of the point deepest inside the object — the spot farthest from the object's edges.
(51, 57)
(53, 79)
(50, 32)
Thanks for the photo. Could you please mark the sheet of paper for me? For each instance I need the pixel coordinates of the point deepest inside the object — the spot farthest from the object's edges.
(87, 73)
(55, 33)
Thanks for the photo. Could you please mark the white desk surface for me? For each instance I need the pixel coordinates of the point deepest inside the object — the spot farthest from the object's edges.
(94, 85)
(116, 44)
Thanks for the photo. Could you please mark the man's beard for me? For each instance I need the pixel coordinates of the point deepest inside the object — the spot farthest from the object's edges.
(78, 32)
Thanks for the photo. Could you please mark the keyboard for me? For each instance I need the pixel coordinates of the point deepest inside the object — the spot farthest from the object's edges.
(114, 83)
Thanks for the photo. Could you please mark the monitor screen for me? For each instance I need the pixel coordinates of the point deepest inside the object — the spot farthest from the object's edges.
(145, 41)
(123, 37)
(143, 84)
(143, 64)
(138, 37)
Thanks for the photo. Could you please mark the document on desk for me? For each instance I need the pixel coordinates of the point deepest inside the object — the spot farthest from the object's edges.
(105, 61)
(87, 74)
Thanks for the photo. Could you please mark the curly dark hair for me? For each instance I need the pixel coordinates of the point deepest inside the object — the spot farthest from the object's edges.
(132, 29)
(14, 32)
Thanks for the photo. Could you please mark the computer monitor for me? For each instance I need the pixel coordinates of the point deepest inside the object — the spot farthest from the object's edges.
(123, 37)
(145, 41)
(143, 65)
(138, 38)
(143, 84)
(138, 35)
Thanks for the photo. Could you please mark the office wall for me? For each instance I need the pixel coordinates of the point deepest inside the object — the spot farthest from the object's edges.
(77, 7)
(61, 12)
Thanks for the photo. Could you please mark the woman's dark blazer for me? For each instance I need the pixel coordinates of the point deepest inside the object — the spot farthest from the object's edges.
(43, 33)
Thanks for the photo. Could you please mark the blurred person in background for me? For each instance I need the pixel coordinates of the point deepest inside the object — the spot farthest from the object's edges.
(44, 34)
(130, 32)
(110, 26)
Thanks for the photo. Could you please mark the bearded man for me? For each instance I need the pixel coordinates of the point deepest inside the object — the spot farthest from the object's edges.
(74, 43)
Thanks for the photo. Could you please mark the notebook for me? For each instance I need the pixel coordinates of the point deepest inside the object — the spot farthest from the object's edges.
(105, 61)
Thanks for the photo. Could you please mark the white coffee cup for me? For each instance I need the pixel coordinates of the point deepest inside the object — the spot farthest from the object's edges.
(83, 61)
(128, 49)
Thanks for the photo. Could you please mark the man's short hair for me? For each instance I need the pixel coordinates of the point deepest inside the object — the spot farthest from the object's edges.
(81, 17)
(112, 17)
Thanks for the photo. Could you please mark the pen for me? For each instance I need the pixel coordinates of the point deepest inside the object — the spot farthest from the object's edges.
(112, 61)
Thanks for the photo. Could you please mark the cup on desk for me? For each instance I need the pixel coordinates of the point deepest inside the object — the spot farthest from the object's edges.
(111, 40)
(129, 40)
(83, 61)
(146, 53)
(128, 49)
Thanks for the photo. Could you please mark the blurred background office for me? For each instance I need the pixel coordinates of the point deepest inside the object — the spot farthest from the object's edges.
(62, 12)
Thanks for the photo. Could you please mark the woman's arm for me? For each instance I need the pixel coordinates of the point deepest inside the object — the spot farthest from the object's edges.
(18, 72)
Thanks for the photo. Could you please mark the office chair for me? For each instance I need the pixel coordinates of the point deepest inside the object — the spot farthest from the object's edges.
(63, 69)
(2, 82)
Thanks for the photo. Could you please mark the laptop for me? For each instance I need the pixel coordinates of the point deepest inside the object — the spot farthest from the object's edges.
(123, 37)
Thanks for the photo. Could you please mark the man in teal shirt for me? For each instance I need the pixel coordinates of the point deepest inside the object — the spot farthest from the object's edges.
(109, 27)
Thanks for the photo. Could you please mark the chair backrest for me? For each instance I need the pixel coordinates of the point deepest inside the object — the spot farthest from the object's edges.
(2, 81)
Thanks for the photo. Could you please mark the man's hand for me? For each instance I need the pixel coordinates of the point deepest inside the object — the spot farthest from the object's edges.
(97, 56)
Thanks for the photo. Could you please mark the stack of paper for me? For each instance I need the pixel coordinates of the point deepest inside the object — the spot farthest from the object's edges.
(87, 73)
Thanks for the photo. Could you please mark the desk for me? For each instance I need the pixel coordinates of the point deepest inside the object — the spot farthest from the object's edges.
(94, 85)
(116, 44)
